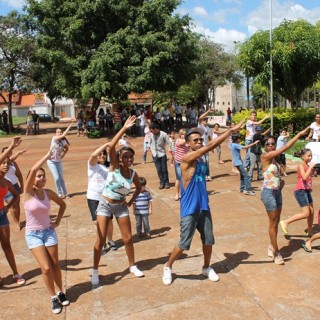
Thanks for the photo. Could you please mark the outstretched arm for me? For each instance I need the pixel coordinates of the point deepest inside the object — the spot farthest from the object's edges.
(64, 134)
(288, 145)
(205, 114)
(32, 174)
(93, 159)
(112, 146)
(14, 143)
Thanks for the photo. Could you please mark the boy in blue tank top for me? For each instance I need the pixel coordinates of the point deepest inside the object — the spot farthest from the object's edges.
(194, 207)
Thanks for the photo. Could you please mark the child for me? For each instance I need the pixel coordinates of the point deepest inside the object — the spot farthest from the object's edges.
(215, 133)
(302, 193)
(123, 142)
(281, 141)
(245, 182)
(142, 208)
(172, 139)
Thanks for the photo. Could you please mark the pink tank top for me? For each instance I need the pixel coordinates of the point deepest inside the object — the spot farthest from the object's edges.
(37, 213)
(303, 184)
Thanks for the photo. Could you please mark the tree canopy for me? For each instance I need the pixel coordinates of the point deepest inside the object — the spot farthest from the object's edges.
(110, 48)
(295, 58)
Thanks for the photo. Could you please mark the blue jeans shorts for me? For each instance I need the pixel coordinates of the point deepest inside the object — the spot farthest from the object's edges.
(37, 238)
(200, 221)
(108, 209)
(3, 219)
(177, 169)
(271, 198)
(303, 197)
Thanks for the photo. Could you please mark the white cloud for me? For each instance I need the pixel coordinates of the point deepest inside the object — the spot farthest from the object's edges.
(200, 11)
(16, 4)
(227, 38)
(259, 19)
(222, 16)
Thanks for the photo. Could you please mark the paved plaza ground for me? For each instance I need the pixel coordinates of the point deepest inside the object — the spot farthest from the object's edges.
(251, 286)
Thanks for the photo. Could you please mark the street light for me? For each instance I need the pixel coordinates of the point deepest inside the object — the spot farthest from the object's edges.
(271, 73)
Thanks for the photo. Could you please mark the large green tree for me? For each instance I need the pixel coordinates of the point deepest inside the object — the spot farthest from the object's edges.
(16, 52)
(109, 48)
(295, 58)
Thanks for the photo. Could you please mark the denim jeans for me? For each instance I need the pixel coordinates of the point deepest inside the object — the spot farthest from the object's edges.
(255, 158)
(247, 158)
(142, 219)
(162, 169)
(206, 160)
(57, 171)
(245, 182)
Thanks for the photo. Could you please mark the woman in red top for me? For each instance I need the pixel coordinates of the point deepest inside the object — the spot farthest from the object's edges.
(302, 192)
(6, 186)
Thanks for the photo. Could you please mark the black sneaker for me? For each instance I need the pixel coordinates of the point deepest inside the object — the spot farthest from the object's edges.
(63, 299)
(104, 249)
(112, 245)
(56, 306)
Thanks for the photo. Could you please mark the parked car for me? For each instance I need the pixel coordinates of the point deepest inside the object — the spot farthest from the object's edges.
(44, 117)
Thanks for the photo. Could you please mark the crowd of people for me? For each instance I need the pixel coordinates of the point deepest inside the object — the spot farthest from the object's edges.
(110, 193)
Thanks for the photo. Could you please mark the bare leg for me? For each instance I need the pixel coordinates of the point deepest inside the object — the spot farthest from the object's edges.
(207, 252)
(125, 229)
(55, 265)
(177, 187)
(274, 217)
(42, 256)
(110, 230)
(304, 214)
(6, 247)
(175, 254)
(102, 227)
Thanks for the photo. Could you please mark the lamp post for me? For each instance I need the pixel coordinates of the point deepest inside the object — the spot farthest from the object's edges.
(271, 73)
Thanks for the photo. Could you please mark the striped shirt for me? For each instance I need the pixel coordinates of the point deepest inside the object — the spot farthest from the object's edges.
(142, 203)
(180, 151)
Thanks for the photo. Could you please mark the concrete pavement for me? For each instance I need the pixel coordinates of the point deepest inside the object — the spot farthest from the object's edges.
(251, 286)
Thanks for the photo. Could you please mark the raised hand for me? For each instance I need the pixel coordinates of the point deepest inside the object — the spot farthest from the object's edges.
(130, 122)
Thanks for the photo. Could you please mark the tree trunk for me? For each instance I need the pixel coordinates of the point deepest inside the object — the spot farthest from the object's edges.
(96, 103)
(10, 127)
(53, 107)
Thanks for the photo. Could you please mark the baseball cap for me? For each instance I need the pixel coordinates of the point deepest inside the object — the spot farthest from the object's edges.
(194, 130)
(258, 128)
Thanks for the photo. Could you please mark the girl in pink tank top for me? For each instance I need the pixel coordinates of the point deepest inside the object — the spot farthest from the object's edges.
(302, 193)
(40, 231)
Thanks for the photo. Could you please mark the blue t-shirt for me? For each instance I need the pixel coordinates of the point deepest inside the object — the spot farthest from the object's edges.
(236, 156)
(195, 197)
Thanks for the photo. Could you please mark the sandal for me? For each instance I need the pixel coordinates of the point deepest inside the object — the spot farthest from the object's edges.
(19, 280)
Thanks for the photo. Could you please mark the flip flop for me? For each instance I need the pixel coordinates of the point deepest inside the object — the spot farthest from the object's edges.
(285, 231)
(304, 246)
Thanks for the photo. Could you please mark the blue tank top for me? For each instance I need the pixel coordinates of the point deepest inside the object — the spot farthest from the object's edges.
(195, 197)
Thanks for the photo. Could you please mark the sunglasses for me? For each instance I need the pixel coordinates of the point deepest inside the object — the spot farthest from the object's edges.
(197, 140)
(270, 143)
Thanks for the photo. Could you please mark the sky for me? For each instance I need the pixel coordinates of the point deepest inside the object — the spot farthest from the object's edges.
(230, 21)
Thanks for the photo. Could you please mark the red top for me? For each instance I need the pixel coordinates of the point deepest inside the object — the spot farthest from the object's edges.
(304, 184)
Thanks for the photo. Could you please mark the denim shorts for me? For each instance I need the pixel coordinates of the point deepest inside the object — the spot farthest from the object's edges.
(37, 238)
(108, 209)
(9, 195)
(200, 221)
(271, 198)
(3, 219)
(177, 169)
(303, 197)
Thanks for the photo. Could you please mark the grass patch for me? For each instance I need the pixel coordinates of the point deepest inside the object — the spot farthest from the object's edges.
(298, 146)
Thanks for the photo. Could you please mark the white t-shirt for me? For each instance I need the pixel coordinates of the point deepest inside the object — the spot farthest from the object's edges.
(11, 174)
(57, 148)
(251, 129)
(207, 134)
(281, 141)
(123, 143)
(178, 109)
(316, 130)
(97, 176)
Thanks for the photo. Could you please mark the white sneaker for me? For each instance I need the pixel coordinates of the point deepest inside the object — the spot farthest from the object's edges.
(167, 275)
(210, 273)
(95, 277)
(138, 273)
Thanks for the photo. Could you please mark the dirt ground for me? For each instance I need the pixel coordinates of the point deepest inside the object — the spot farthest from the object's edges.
(251, 286)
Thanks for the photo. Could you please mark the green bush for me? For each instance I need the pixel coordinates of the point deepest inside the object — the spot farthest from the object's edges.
(298, 146)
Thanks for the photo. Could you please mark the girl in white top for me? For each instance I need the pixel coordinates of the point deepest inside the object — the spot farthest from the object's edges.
(59, 148)
(14, 175)
(97, 176)
(314, 134)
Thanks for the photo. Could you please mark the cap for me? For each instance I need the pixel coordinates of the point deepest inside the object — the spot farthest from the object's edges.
(194, 130)
(258, 128)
